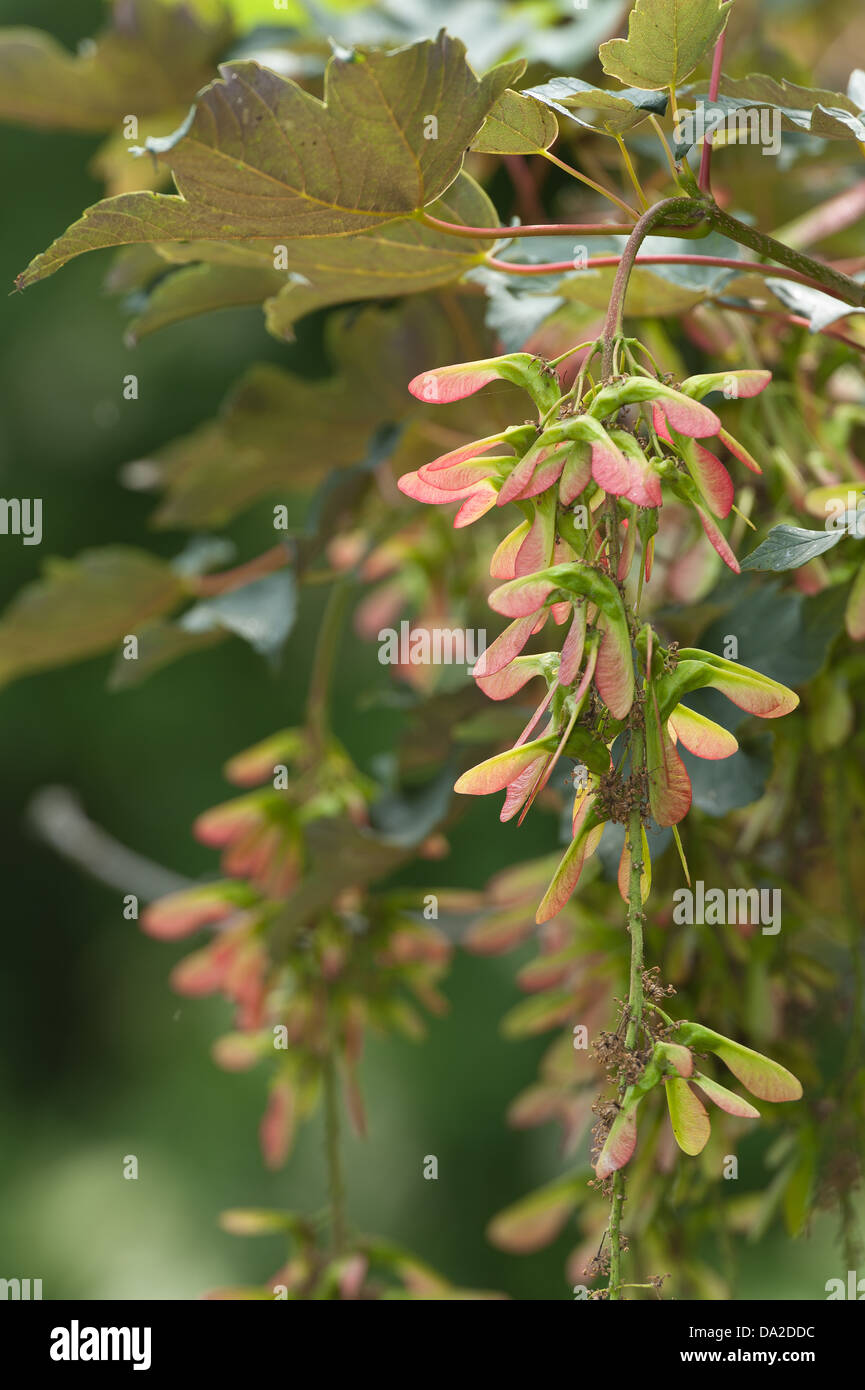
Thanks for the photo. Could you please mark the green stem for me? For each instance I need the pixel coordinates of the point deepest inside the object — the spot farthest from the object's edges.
(335, 1183)
(617, 1201)
(658, 129)
(631, 172)
(832, 281)
(635, 988)
(842, 837)
(635, 895)
(584, 178)
(326, 648)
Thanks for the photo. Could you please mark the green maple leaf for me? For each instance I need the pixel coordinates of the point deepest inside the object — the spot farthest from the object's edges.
(261, 157)
(517, 124)
(666, 40)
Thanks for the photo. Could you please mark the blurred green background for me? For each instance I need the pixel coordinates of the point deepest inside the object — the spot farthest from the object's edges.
(99, 1059)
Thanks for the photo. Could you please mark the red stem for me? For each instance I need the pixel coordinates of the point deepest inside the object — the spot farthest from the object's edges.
(224, 582)
(595, 262)
(704, 179)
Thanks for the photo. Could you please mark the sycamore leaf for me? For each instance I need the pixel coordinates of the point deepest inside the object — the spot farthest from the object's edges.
(401, 258)
(199, 289)
(261, 157)
(688, 1116)
(838, 504)
(533, 1222)
(610, 112)
(153, 57)
(788, 547)
(517, 124)
(666, 40)
(120, 170)
(84, 606)
(651, 292)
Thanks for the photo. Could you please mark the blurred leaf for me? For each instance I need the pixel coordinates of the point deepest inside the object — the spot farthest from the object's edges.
(200, 289)
(152, 57)
(666, 40)
(262, 613)
(259, 1221)
(121, 171)
(828, 115)
(533, 1222)
(819, 308)
(84, 606)
(799, 1192)
(406, 818)
(854, 611)
(340, 856)
(723, 785)
(538, 1014)
(789, 547)
(159, 644)
(281, 433)
(786, 636)
(358, 160)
